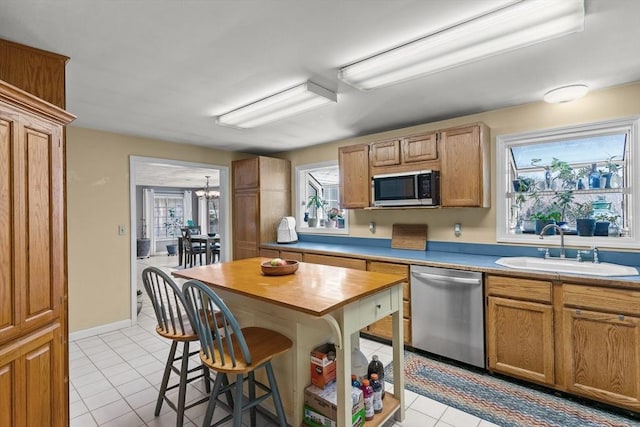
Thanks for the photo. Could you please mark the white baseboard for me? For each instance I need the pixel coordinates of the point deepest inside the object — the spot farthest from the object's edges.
(109, 327)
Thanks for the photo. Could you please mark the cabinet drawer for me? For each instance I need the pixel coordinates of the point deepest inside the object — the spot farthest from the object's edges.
(391, 268)
(269, 253)
(357, 264)
(625, 301)
(291, 255)
(525, 289)
(376, 306)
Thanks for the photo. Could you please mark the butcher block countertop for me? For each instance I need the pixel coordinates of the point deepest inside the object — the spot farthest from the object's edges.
(455, 260)
(314, 289)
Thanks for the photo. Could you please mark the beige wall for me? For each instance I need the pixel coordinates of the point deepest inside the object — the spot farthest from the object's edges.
(98, 194)
(478, 225)
(97, 201)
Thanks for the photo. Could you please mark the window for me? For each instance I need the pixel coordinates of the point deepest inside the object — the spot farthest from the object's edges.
(168, 215)
(572, 177)
(319, 182)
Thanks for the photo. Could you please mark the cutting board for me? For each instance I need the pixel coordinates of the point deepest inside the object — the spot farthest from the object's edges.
(409, 236)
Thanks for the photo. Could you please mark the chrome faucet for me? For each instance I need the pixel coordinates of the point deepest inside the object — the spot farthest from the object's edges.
(548, 226)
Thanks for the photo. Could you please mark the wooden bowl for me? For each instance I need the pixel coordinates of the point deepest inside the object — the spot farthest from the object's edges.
(279, 270)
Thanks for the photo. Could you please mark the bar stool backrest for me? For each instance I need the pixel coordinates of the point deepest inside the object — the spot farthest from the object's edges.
(168, 304)
(221, 337)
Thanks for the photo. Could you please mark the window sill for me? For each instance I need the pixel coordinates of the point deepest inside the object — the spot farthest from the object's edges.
(322, 230)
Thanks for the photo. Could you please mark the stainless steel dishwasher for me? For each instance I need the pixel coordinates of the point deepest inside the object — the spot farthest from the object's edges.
(447, 313)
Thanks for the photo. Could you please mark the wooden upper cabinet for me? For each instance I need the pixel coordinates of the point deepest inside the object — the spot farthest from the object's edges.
(465, 167)
(36, 71)
(261, 197)
(246, 174)
(420, 148)
(355, 184)
(385, 153)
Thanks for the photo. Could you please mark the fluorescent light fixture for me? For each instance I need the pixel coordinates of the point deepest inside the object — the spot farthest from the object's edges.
(518, 25)
(565, 94)
(283, 104)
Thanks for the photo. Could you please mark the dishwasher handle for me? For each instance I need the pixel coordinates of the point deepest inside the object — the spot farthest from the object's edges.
(448, 279)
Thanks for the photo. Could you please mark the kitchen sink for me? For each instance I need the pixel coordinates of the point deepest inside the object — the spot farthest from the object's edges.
(560, 265)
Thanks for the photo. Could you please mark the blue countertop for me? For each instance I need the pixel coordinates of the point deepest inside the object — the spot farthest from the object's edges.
(477, 257)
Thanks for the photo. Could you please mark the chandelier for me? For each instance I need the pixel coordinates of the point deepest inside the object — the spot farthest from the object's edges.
(206, 192)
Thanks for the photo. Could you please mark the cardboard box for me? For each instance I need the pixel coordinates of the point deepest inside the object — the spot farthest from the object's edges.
(315, 419)
(322, 405)
(323, 368)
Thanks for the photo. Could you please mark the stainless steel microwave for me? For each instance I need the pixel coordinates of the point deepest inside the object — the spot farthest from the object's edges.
(418, 188)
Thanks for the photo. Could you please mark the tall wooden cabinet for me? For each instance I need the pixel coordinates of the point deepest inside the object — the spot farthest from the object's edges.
(33, 287)
(261, 197)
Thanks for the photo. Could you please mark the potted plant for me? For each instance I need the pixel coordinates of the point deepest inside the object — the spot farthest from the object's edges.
(522, 184)
(319, 204)
(585, 223)
(562, 200)
(611, 177)
(333, 215)
(564, 173)
(172, 227)
(545, 218)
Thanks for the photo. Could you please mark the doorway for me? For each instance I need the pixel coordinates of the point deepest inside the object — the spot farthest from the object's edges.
(155, 183)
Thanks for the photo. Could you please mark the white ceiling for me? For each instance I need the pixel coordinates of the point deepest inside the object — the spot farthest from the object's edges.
(163, 68)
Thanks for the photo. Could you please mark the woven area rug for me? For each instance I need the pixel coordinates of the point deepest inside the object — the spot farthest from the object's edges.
(502, 402)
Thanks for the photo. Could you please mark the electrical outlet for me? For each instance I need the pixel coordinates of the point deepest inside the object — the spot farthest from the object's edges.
(121, 230)
(457, 229)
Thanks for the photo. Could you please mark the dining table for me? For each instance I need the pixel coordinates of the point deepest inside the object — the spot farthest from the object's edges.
(312, 306)
(207, 239)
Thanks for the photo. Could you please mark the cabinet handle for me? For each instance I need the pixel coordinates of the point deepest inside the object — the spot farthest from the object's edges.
(577, 312)
(620, 316)
(378, 306)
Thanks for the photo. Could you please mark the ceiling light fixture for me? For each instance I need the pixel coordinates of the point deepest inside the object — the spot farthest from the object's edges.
(566, 94)
(206, 192)
(517, 25)
(283, 104)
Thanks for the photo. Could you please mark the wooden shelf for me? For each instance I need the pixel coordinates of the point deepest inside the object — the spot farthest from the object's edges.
(391, 404)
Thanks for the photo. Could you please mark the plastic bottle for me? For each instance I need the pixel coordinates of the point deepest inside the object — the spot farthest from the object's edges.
(359, 364)
(375, 366)
(377, 393)
(367, 394)
(355, 382)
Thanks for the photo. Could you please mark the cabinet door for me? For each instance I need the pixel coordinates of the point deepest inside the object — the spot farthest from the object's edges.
(462, 169)
(246, 174)
(39, 221)
(420, 148)
(9, 301)
(246, 212)
(385, 153)
(602, 356)
(32, 384)
(520, 339)
(355, 183)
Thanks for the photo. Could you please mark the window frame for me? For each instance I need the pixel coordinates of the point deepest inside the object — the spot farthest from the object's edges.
(300, 202)
(630, 125)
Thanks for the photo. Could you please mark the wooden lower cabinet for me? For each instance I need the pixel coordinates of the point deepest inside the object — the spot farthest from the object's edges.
(520, 328)
(573, 337)
(32, 386)
(601, 333)
(274, 253)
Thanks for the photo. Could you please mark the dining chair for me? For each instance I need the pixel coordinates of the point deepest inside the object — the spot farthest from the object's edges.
(174, 324)
(190, 248)
(234, 351)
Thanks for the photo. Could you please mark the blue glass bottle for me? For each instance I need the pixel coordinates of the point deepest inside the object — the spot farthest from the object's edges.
(594, 177)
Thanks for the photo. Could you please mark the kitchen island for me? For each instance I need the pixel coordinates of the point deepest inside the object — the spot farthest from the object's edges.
(316, 304)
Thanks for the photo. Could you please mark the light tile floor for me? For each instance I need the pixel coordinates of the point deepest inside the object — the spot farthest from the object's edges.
(115, 379)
